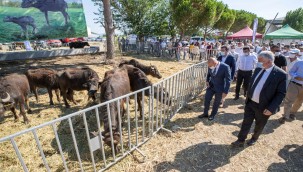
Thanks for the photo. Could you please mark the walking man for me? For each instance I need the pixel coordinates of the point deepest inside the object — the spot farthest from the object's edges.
(218, 83)
(266, 92)
(294, 91)
(245, 65)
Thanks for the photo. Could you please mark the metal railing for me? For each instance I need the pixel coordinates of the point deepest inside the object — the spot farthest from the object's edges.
(75, 142)
(178, 53)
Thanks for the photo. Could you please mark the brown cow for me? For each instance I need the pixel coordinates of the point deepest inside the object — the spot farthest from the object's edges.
(139, 80)
(14, 90)
(43, 78)
(78, 79)
(148, 70)
(115, 84)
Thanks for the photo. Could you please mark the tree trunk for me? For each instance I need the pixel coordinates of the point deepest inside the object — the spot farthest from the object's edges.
(109, 29)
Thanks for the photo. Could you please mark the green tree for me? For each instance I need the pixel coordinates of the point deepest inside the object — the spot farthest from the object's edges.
(185, 15)
(261, 25)
(295, 19)
(243, 18)
(226, 20)
(210, 15)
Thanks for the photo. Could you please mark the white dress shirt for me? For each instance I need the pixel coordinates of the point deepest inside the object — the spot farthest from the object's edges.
(223, 59)
(258, 89)
(216, 69)
(247, 63)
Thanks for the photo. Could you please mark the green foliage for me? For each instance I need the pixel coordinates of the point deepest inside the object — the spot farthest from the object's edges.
(74, 5)
(261, 25)
(295, 19)
(226, 20)
(243, 18)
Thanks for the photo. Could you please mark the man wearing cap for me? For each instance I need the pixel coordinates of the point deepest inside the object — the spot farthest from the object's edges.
(294, 92)
(280, 60)
(293, 58)
(301, 52)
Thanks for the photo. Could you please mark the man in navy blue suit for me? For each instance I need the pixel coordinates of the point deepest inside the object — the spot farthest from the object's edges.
(218, 83)
(228, 59)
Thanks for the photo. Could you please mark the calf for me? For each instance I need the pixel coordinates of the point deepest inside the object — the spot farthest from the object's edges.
(14, 90)
(116, 83)
(148, 70)
(78, 44)
(77, 79)
(23, 22)
(43, 78)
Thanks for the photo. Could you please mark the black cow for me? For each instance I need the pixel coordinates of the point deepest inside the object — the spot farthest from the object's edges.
(44, 78)
(48, 5)
(23, 22)
(77, 79)
(148, 70)
(78, 44)
(14, 90)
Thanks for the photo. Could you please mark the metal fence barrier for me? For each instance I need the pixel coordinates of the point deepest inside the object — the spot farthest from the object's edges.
(156, 50)
(75, 142)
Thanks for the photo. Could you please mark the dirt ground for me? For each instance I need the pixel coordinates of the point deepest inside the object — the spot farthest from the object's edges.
(199, 145)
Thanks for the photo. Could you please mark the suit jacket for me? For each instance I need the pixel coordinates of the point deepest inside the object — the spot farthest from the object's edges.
(220, 82)
(231, 62)
(273, 91)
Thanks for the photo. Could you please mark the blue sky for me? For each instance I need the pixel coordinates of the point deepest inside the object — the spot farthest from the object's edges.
(263, 8)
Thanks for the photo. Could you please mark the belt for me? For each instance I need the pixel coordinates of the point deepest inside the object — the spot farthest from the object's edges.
(297, 83)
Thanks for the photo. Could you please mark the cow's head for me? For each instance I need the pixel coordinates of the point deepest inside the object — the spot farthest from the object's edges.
(92, 86)
(6, 103)
(155, 72)
(28, 3)
(7, 19)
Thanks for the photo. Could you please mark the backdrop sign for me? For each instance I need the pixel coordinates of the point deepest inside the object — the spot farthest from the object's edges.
(255, 27)
(41, 19)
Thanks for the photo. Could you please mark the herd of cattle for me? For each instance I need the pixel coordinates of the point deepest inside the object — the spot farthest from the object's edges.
(129, 76)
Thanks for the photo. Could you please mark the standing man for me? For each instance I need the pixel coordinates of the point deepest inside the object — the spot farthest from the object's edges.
(245, 65)
(266, 92)
(293, 58)
(226, 58)
(280, 60)
(218, 83)
(294, 91)
(233, 52)
(301, 52)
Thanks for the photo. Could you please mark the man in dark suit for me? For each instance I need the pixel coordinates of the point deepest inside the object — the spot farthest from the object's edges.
(218, 82)
(265, 93)
(227, 58)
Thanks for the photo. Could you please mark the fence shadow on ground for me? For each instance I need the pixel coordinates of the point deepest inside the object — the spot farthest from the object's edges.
(201, 157)
(292, 156)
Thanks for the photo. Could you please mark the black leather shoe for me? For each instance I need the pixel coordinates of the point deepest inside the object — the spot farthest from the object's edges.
(282, 120)
(251, 142)
(238, 143)
(292, 117)
(236, 98)
(203, 116)
(211, 117)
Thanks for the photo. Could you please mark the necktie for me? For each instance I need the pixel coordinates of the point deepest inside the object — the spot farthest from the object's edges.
(251, 92)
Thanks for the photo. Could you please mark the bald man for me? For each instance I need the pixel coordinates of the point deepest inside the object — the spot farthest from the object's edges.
(218, 83)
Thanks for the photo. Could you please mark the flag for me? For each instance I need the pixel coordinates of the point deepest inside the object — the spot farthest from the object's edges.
(255, 30)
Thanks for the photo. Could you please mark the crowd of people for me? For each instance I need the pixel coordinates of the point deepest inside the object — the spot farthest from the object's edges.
(271, 76)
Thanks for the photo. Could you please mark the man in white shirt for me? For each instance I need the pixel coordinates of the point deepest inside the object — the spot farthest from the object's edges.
(301, 52)
(233, 52)
(265, 94)
(293, 58)
(245, 65)
(257, 47)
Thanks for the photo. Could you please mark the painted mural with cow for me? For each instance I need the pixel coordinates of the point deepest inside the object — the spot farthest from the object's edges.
(41, 19)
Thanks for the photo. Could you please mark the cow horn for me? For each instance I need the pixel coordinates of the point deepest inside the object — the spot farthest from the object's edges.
(7, 98)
